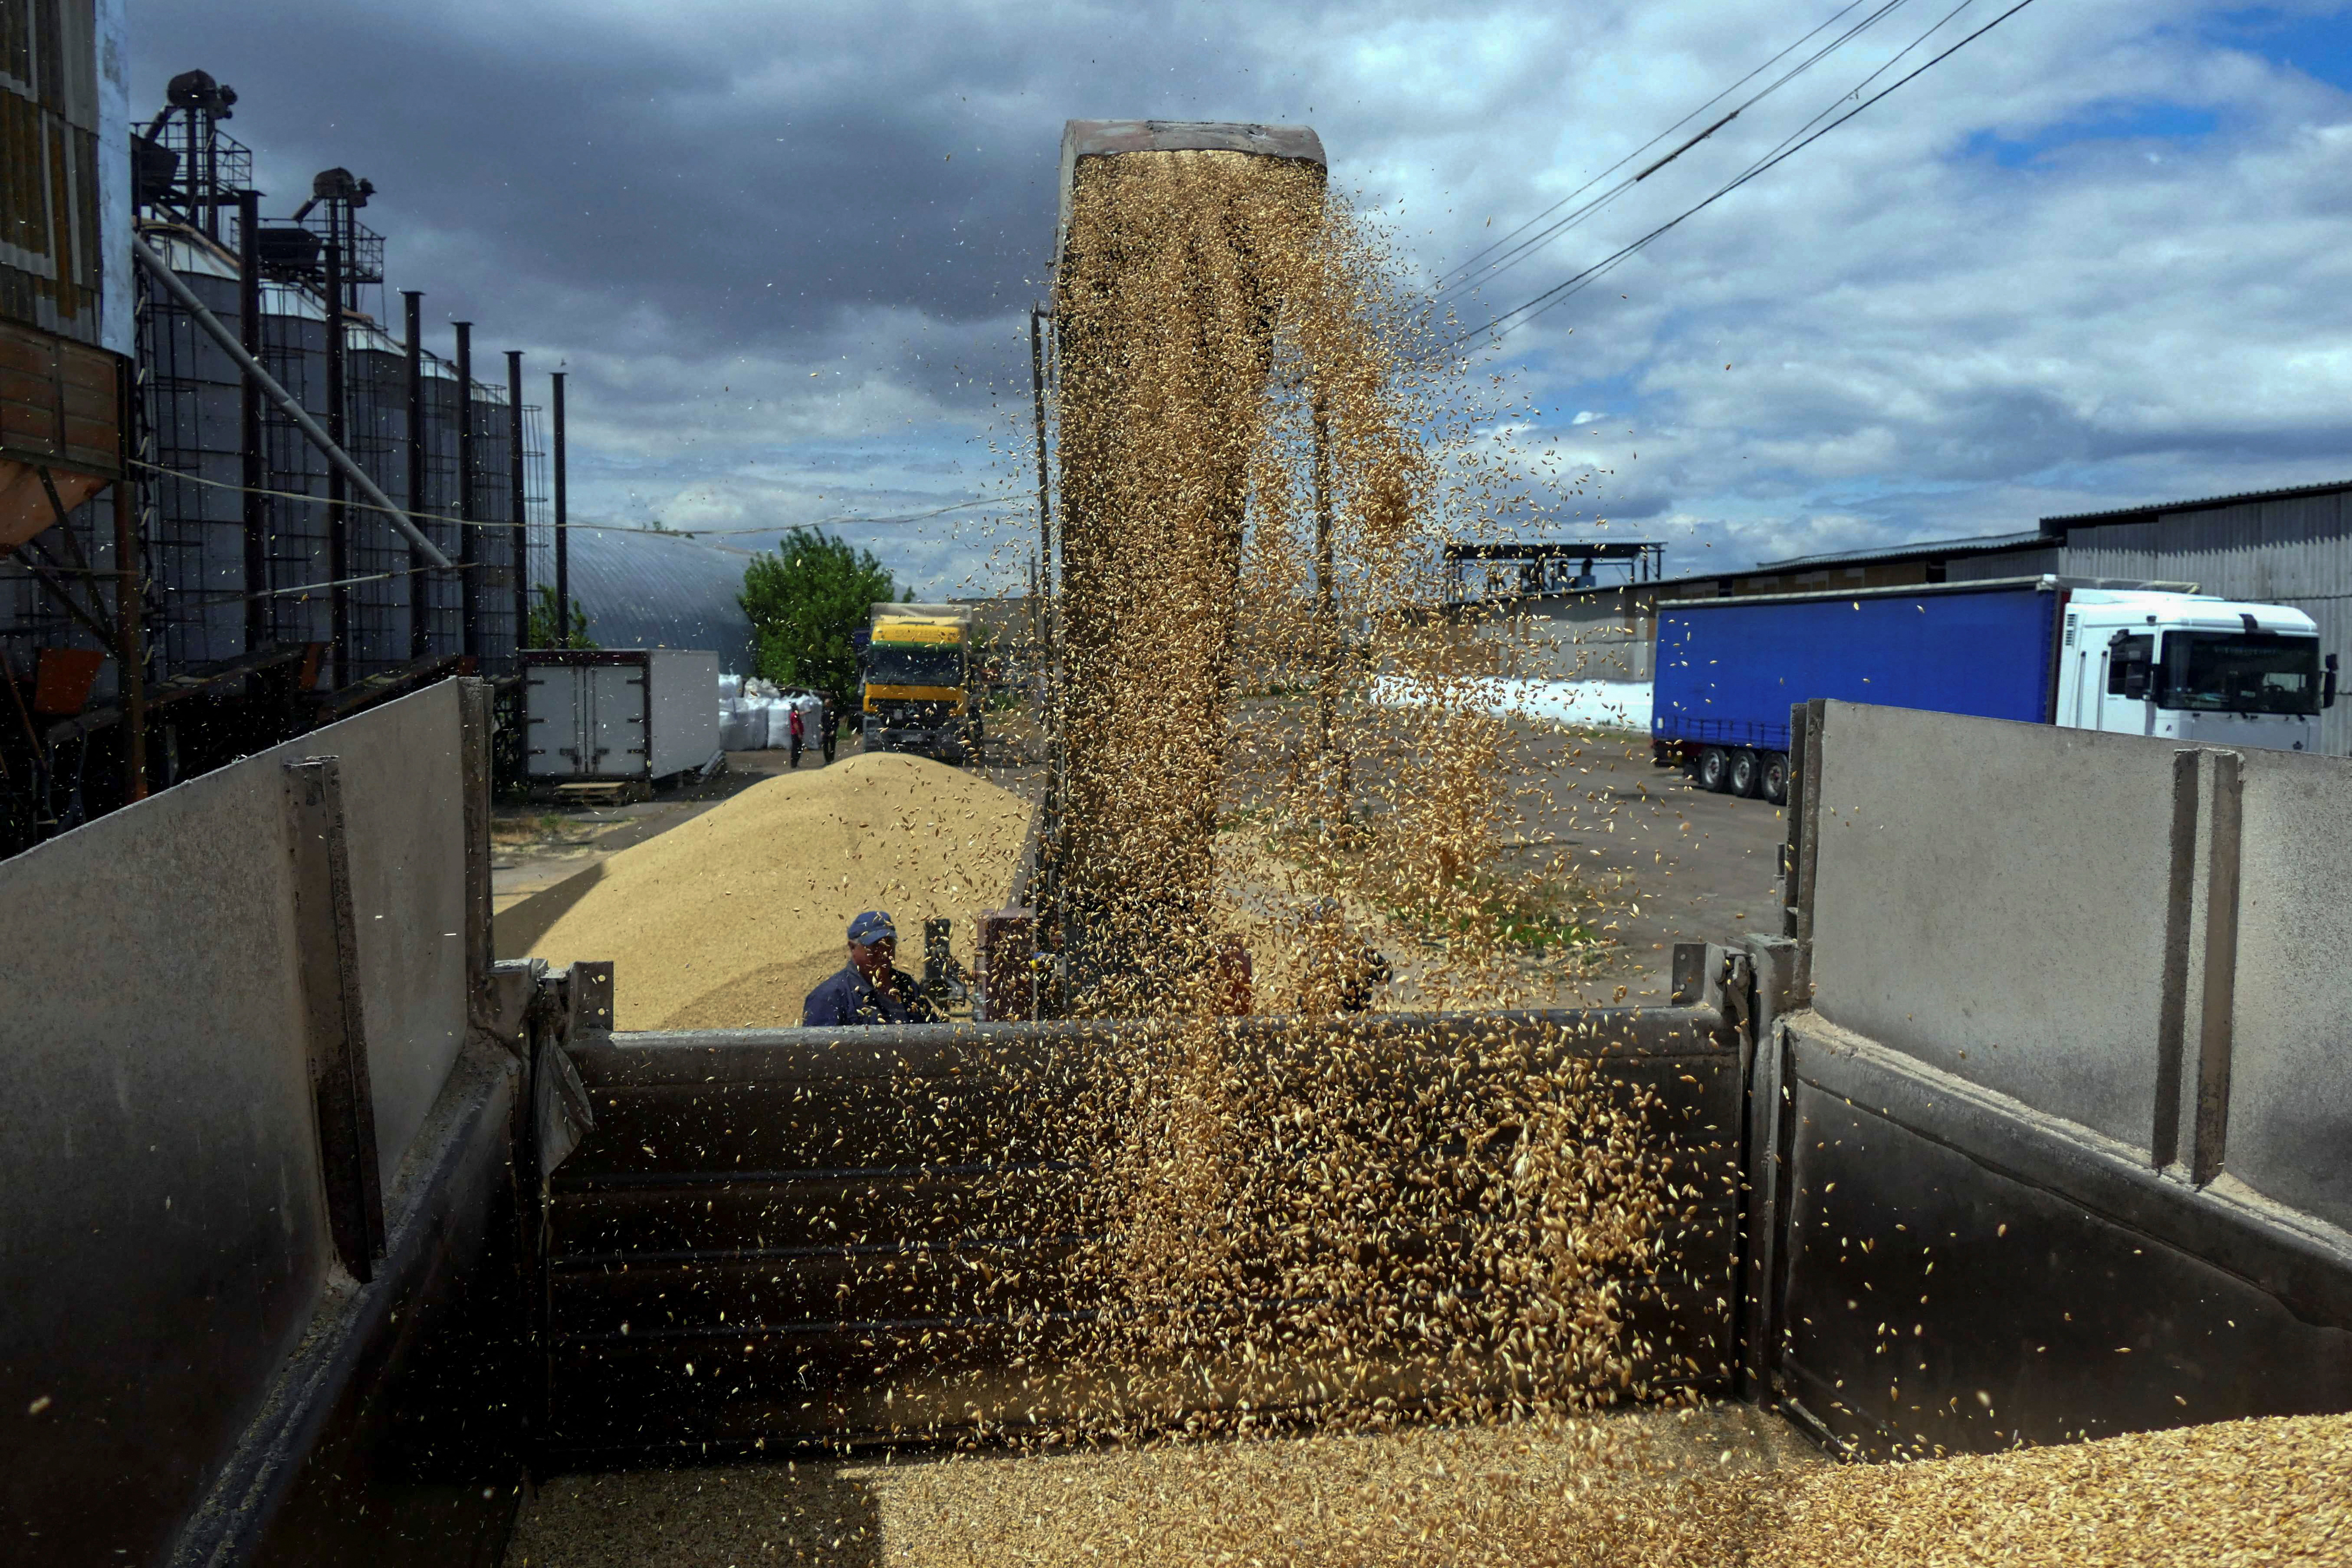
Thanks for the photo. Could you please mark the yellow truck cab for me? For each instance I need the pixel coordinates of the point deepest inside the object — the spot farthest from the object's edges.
(919, 687)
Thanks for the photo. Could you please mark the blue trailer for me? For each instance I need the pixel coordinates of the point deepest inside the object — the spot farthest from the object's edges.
(2036, 649)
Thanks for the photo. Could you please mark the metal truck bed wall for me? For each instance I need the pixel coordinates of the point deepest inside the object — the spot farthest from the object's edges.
(249, 1165)
(799, 1236)
(2058, 1112)
(1727, 670)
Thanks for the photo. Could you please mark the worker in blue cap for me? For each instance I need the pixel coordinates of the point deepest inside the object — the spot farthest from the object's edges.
(869, 989)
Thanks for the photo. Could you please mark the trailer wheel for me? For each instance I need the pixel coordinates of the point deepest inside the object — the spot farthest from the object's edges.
(1747, 774)
(1773, 786)
(1714, 770)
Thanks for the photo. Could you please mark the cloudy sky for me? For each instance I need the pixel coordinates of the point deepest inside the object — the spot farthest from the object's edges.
(2102, 255)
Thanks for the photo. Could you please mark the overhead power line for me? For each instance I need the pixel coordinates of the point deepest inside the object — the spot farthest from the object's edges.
(1519, 315)
(1476, 271)
(1449, 280)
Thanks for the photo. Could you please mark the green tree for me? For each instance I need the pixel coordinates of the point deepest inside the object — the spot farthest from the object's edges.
(806, 602)
(545, 618)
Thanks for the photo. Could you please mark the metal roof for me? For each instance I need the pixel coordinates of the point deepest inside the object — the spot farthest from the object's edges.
(1978, 545)
(2126, 514)
(643, 589)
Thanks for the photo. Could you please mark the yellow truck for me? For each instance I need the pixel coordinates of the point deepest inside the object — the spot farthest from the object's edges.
(920, 694)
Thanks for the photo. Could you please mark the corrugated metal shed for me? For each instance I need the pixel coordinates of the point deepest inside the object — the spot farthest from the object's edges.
(2280, 547)
(643, 589)
(2033, 559)
(1935, 549)
(2292, 492)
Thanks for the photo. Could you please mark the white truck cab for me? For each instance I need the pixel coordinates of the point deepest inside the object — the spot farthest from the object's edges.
(2188, 667)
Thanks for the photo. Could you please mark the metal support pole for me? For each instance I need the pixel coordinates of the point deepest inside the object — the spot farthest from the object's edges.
(469, 538)
(339, 522)
(176, 286)
(518, 498)
(562, 517)
(130, 602)
(1333, 767)
(420, 592)
(253, 466)
(210, 176)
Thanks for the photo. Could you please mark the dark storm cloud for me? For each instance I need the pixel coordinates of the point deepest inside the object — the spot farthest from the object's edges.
(737, 176)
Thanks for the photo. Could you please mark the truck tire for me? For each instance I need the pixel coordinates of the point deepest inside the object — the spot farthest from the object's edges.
(1746, 775)
(1773, 784)
(1713, 770)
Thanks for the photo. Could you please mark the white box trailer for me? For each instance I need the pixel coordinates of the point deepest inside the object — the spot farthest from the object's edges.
(619, 715)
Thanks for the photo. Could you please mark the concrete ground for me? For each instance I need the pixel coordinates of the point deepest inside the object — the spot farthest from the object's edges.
(1668, 862)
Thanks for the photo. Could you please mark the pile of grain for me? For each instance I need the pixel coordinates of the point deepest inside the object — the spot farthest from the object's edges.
(729, 919)
(1688, 1489)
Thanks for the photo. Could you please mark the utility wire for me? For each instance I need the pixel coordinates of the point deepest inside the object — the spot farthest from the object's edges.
(1519, 315)
(351, 504)
(1470, 274)
(1855, 92)
(1448, 280)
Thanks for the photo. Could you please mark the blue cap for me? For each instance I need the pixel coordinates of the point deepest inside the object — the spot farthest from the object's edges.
(871, 927)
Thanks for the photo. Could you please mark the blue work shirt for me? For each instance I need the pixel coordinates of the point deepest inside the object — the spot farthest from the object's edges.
(849, 998)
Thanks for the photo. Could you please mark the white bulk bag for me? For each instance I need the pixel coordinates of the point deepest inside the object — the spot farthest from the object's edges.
(742, 726)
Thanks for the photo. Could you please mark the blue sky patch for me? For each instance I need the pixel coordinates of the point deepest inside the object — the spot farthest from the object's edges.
(2319, 46)
(2124, 123)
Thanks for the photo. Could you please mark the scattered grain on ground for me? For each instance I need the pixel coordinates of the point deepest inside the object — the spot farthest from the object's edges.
(1680, 1490)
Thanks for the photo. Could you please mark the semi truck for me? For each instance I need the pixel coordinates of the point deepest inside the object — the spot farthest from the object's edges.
(917, 668)
(2122, 659)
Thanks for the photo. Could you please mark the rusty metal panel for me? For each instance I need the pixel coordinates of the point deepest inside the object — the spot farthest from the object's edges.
(2044, 1167)
(53, 238)
(59, 407)
(337, 1027)
(162, 1202)
(158, 1173)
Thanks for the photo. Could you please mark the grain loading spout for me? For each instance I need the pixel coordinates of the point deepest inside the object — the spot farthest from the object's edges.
(1110, 138)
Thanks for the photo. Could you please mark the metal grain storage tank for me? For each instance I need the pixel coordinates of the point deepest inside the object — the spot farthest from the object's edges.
(444, 598)
(195, 543)
(494, 546)
(375, 381)
(294, 350)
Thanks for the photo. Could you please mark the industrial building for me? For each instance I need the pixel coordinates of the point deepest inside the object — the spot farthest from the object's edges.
(347, 525)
